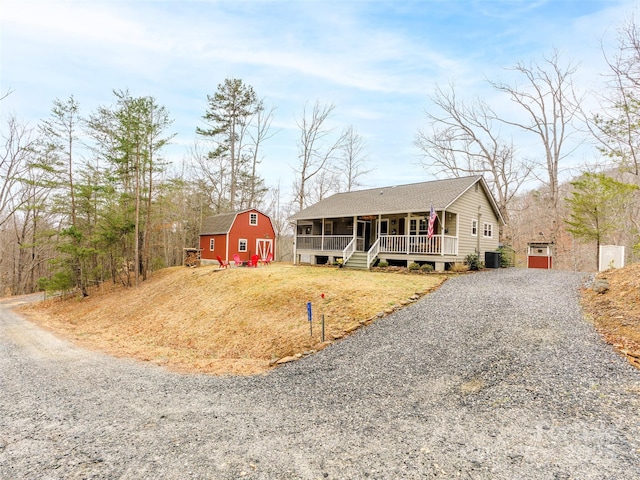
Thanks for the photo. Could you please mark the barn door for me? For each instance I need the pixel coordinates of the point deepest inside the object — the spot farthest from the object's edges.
(264, 247)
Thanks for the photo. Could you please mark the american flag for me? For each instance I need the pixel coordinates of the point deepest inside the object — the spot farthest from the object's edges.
(432, 220)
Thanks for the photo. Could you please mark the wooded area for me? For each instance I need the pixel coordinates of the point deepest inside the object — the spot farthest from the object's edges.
(88, 197)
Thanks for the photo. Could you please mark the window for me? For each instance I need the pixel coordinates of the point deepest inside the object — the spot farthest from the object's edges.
(423, 226)
(253, 219)
(242, 245)
(212, 244)
(474, 227)
(487, 230)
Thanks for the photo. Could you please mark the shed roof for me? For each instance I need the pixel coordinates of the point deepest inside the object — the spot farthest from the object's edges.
(415, 197)
(218, 224)
(222, 223)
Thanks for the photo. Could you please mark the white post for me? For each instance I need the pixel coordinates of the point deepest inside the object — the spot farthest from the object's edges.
(407, 233)
(295, 244)
(442, 227)
(355, 228)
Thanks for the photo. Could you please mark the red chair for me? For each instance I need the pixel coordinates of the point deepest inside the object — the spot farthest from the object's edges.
(236, 260)
(268, 260)
(221, 262)
(254, 261)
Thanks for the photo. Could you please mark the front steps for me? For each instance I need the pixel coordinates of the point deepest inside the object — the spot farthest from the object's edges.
(357, 261)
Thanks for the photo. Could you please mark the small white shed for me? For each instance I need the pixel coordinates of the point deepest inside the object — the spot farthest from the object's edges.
(611, 256)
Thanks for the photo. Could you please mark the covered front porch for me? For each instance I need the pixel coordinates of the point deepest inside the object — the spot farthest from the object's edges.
(395, 237)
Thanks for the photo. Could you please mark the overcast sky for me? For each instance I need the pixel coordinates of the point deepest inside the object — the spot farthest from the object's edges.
(376, 61)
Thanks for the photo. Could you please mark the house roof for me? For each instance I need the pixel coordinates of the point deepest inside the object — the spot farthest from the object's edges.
(415, 197)
(222, 223)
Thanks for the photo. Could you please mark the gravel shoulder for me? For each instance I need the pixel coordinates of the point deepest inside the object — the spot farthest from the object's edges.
(496, 375)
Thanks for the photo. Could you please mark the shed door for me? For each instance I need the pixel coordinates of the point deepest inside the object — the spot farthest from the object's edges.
(264, 246)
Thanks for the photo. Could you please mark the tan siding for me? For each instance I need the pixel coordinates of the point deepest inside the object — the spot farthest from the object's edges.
(467, 209)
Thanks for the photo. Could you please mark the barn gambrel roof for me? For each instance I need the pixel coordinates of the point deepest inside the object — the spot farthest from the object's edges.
(222, 223)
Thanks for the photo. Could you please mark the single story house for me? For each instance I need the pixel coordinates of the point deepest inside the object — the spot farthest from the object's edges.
(392, 224)
(247, 232)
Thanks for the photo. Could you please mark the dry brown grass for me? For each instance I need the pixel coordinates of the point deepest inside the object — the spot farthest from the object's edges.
(616, 313)
(235, 321)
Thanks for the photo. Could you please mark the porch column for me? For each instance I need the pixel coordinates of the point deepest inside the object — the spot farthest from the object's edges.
(407, 233)
(295, 244)
(355, 229)
(444, 223)
(322, 235)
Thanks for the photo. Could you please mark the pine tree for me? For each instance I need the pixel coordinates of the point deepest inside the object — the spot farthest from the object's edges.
(228, 116)
(597, 208)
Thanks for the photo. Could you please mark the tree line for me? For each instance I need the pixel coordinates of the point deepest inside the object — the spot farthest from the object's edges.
(88, 198)
(466, 136)
(91, 198)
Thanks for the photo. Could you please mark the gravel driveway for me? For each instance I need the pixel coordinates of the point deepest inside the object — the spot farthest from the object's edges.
(495, 376)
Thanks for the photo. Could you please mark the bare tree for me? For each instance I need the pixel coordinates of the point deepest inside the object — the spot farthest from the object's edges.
(551, 106)
(325, 183)
(317, 149)
(616, 127)
(280, 212)
(212, 178)
(259, 133)
(463, 139)
(17, 144)
(352, 161)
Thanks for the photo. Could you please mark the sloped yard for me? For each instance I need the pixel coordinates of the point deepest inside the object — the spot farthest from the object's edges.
(229, 321)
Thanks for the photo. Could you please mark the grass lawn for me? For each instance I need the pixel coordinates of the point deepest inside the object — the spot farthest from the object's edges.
(230, 321)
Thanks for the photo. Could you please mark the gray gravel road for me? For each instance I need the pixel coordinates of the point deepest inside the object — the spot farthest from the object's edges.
(495, 376)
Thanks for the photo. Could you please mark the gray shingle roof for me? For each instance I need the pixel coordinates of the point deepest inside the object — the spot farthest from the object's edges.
(218, 224)
(415, 197)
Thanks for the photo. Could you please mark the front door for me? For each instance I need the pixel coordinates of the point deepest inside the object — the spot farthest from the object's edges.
(364, 232)
(264, 246)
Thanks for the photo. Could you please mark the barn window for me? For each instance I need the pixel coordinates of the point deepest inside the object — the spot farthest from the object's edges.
(487, 230)
(212, 244)
(474, 227)
(253, 219)
(242, 245)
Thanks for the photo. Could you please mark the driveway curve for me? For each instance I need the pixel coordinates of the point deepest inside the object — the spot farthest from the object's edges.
(496, 375)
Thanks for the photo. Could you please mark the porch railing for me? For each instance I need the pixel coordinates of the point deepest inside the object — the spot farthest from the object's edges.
(373, 252)
(318, 242)
(436, 245)
(348, 251)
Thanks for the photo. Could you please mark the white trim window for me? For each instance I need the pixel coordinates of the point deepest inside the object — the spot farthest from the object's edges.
(212, 244)
(474, 228)
(242, 245)
(253, 219)
(487, 230)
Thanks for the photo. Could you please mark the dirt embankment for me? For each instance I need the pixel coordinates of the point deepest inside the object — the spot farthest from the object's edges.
(615, 309)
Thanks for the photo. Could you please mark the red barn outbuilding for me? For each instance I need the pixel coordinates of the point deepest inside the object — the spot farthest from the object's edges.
(247, 232)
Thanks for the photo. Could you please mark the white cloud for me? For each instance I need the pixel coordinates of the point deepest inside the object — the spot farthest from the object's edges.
(376, 61)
